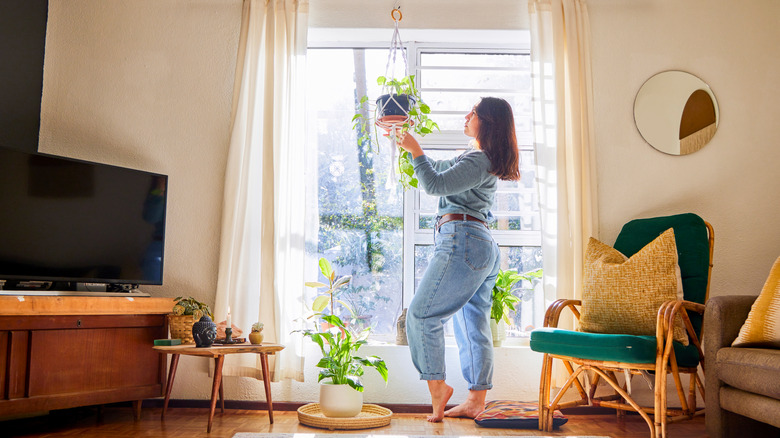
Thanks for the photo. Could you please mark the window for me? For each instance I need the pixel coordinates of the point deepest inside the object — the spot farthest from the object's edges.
(361, 219)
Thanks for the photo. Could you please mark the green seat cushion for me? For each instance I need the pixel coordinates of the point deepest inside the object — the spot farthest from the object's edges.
(599, 346)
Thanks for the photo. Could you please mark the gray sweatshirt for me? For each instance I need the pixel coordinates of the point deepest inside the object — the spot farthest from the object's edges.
(464, 184)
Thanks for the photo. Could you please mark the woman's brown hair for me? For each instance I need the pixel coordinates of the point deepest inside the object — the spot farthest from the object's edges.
(497, 138)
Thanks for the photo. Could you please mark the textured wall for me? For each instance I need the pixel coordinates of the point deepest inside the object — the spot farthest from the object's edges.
(148, 84)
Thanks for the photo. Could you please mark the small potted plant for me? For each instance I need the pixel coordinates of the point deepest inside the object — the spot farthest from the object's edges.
(341, 391)
(504, 301)
(397, 112)
(256, 335)
(186, 311)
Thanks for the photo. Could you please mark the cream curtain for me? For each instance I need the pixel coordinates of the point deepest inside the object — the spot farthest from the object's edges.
(563, 135)
(262, 253)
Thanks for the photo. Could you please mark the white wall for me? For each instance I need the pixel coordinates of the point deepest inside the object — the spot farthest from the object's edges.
(733, 182)
(148, 84)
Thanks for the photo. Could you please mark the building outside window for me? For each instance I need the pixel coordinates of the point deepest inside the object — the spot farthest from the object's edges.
(362, 220)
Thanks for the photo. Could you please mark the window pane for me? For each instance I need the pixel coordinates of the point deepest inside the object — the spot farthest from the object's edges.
(530, 310)
(358, 206)
(505, 80)
(444, 59)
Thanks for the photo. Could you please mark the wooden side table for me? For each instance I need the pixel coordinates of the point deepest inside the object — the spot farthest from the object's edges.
(218, 352)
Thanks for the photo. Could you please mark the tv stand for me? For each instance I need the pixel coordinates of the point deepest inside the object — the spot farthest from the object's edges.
(59, 352)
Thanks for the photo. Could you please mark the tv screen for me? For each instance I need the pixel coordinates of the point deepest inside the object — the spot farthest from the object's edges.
(71, 221)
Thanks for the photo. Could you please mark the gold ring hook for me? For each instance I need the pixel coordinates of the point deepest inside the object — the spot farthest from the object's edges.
(400, 15)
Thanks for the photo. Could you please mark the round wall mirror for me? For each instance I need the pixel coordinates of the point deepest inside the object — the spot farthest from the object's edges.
(676, 112)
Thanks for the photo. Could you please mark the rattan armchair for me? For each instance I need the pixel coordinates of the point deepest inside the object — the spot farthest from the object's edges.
(654, 357)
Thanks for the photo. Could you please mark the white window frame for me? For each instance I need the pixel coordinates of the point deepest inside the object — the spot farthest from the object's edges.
(460, 41)
(413, 235)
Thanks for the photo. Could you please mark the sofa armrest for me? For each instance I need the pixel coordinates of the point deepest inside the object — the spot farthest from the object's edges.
(723, 317)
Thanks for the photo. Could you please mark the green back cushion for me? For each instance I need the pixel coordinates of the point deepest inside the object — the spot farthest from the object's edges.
(693, 249)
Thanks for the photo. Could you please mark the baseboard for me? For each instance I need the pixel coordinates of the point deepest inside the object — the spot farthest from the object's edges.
(397, 408)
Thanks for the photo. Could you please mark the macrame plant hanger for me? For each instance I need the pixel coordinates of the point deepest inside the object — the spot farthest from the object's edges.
(392, 123)
(400, 121)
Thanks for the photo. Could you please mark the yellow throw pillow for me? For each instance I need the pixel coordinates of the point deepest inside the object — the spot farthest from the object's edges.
(622, 295)
(762, 327)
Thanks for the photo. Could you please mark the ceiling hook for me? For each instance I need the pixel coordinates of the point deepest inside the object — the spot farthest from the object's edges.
(400, 15)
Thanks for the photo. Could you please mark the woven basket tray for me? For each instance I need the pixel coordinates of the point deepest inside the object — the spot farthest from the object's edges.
(371, 416)
(181, 328)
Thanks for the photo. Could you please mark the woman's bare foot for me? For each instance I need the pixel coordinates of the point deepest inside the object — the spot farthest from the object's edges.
(474, 404)
(440, 395)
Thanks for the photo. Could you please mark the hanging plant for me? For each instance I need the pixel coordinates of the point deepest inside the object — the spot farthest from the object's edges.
(398, 110)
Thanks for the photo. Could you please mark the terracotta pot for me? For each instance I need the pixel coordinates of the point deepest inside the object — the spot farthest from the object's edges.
(339, 400)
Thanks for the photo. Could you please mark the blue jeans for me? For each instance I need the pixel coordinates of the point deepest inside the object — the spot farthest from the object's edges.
(458, 282)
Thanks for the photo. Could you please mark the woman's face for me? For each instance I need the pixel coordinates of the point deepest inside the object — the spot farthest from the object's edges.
(472, 123)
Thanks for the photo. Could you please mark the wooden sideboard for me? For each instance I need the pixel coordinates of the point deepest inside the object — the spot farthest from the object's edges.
(65, 352)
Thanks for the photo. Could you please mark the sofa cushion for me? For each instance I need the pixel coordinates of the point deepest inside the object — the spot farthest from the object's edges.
(622, 295)
(762, 327)
(750, 369)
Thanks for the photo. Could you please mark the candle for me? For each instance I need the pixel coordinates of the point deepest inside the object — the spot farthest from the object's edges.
(228, 322)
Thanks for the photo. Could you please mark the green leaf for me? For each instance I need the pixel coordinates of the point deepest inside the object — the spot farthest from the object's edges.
(326, 268)
(315, 284)
(381, 80)
(425, 108)
(342, 281)
(413, 182)
(320, 303)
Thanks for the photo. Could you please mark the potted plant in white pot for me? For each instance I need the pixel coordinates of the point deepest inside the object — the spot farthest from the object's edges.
(341, 390)
(504, 301)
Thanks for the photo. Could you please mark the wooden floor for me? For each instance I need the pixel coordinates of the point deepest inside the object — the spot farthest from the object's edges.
(110, 422)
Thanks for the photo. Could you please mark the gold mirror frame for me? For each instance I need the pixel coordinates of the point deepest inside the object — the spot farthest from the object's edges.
(676, 112)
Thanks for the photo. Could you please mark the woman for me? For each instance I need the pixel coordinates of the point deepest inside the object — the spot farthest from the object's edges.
(460, 276)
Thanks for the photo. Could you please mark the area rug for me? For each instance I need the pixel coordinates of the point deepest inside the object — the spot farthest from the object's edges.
(379, 435)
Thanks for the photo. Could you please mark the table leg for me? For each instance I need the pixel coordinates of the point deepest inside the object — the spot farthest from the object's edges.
(221, 393)
(169, 383)
(267, 385)
(137, 409)
(215, 387)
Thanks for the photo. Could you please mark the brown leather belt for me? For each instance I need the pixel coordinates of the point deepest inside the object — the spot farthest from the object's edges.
(458, 217)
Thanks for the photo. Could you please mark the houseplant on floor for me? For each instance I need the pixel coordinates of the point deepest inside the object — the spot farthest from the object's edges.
(341, 391)
(504, 301)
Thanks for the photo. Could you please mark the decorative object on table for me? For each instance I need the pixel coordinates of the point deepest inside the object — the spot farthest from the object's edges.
(399, 109)
(509, 414)
(400, 325)
(256, 335)
(339, 364)
(167, 342)
(204, 332)
(369, 417)
(221, 326)
(504, 301)
(186, 311)
(229, 336)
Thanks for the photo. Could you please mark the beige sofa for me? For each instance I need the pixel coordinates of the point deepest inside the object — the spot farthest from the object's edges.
(742, 384)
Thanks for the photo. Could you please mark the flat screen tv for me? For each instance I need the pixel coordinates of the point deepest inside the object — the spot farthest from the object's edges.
(66, 222)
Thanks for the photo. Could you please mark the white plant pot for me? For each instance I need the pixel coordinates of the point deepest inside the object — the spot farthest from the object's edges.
(499, 331)
(339, 400)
